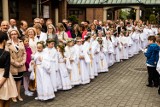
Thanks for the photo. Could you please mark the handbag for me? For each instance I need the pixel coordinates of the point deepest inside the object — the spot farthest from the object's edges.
(32, 85)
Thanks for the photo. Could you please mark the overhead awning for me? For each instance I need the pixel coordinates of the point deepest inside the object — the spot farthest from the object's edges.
(87, 2)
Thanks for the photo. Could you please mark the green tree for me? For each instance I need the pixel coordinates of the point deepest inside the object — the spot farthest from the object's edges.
(152, 18)
(124, 14)
(132, 14)
(73, 19)
(149, 11)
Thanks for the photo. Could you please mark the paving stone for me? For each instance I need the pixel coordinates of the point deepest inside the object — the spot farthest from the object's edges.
(134, 106)
(123, 86)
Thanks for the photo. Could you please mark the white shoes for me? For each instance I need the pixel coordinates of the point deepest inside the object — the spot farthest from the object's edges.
(36, 98)
(28, 93)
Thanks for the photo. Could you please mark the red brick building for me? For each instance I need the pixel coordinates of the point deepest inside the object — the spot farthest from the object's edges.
(29, 9)
(86, 13)
(60, 9)
(108, 9)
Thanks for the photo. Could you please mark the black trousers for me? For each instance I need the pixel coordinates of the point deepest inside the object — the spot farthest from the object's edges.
(153, 76)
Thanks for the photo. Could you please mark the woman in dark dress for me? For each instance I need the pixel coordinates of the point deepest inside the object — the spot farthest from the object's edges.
(7, 83)
(51, 34)
(76, 31)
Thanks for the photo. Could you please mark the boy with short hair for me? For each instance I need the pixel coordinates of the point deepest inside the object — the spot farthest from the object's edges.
(152, 55)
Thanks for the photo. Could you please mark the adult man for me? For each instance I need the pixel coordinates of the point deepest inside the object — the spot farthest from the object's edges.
(96, 23)
(23, 28)
(4, 26)
(41, 36)
(121, 27)
(65, 21)
(44, 27)
(36, 20)
(13, 24)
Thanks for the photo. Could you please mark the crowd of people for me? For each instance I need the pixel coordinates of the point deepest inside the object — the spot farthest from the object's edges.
(49, 58)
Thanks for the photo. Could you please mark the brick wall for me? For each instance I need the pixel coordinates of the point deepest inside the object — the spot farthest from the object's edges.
(81, 13)
(89, 14)
(94, 13)
(99, 13)
(25, 10)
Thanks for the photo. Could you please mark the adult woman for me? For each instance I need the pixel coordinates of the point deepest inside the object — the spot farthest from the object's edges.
(51, 34)
(7, 84)
(93, 29)
(31, 33)
(18, 59)
(67, 30)
(62, 35)
(76, 31)
(83, 31)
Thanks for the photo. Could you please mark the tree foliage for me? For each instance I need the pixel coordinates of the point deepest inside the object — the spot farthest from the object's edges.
(73, 19)
(132, 14)
(123, 15)
(127, 14)
(152, 18)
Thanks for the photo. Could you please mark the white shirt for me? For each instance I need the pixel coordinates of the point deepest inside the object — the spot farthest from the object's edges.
(42, 37)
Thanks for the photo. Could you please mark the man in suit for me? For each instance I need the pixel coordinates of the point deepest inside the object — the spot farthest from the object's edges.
(23, 28)
(121, 27)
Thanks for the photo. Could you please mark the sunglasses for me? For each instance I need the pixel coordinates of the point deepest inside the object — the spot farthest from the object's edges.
(14, 34)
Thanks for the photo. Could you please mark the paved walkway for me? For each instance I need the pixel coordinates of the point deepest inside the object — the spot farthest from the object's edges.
(123, 86)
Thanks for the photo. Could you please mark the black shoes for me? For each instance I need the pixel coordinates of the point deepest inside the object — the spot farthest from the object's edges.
(148, 85)
(156, 86)
(159, 91)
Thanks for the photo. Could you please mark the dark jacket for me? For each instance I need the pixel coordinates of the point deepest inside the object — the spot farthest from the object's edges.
(54, 37)
(21, 34)
(76, 35)
(152, 54)
(119, 29)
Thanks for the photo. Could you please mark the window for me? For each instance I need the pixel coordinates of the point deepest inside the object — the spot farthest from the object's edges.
(45, 11)
(13, 9)
(80, 12)
(76, 12)
(34, 9)
(1, 9)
